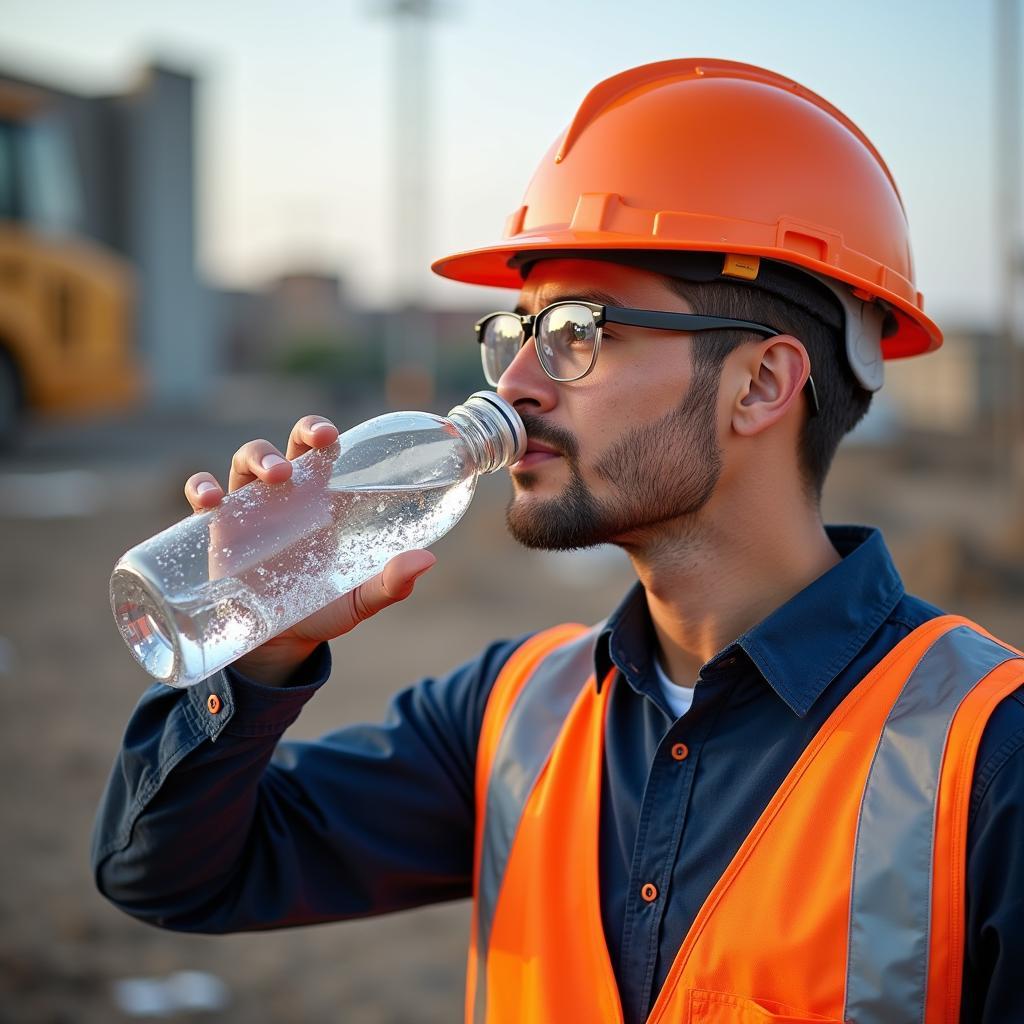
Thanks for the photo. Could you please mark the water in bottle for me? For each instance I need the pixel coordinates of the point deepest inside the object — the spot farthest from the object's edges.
(211, 588)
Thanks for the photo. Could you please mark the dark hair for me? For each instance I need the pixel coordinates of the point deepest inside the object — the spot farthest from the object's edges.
(842, 399)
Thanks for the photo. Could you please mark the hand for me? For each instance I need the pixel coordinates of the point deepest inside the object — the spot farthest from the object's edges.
(275, 661)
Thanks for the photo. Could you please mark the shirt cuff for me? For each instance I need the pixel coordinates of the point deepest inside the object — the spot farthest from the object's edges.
(231, 703)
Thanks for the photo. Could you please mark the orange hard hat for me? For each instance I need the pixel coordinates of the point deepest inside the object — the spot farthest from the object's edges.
(714, 156)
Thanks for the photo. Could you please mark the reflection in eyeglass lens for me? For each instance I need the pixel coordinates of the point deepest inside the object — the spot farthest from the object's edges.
(568, 334)
(503, 336)
(570, 325)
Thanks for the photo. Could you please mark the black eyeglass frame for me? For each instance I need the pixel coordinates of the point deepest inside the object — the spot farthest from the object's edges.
(662, 320)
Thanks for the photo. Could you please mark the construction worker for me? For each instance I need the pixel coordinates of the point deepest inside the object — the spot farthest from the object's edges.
(772, 786)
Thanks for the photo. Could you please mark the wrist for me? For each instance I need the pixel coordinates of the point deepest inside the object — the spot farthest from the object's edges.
(274, 664)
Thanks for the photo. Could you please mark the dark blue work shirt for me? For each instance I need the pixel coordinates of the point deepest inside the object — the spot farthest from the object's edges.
(287, 833)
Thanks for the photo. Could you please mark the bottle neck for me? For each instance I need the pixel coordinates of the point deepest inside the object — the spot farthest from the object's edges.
(492, 430)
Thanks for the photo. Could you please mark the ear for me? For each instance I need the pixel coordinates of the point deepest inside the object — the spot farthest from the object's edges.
(770, 376)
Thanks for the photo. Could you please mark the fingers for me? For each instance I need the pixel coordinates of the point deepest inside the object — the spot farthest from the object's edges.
(203, 491)
(257, 460)
(311, 432)
(395, 583)
(260, 460)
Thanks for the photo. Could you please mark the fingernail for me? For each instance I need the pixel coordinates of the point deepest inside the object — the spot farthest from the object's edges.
(204, 487)
(270, 461)
(323, 423)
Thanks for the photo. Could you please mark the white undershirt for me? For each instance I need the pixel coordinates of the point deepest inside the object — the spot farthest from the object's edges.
(679, 698)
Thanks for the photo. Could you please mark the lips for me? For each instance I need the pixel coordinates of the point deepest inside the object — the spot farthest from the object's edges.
(538, 446)
(536, 452)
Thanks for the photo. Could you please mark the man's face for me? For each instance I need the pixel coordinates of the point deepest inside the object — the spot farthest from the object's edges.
(634, 446)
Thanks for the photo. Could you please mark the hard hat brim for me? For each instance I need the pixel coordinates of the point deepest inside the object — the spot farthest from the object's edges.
(489, 266)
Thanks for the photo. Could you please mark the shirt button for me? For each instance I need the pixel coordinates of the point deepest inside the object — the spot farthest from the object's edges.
(649, 892)
(213, 704)
(680, 751)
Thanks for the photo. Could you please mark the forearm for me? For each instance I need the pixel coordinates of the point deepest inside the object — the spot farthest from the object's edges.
(275, 664)
(209, 823)
(179, 810)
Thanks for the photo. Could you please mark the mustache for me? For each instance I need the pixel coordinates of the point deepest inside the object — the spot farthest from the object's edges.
(538, 429)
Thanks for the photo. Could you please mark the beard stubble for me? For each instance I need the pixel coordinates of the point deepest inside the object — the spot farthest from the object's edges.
(658, 472)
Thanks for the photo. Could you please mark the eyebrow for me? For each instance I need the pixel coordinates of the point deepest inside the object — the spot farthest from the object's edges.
(601, 298)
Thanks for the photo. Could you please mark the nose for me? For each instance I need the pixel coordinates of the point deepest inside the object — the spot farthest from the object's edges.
(525, 384)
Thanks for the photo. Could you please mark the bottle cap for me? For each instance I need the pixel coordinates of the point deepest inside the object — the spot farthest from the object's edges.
(502, 425)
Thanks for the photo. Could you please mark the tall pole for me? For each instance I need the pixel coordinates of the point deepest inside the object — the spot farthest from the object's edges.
(411, 344)
(1009, 376)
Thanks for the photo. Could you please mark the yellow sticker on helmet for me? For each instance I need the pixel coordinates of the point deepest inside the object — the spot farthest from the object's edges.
(746, 267)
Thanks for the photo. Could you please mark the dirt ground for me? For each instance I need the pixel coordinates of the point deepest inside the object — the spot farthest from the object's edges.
(67, 686)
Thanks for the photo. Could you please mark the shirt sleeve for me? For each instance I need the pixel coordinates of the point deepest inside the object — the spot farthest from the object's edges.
(211, 823)
(994, 948)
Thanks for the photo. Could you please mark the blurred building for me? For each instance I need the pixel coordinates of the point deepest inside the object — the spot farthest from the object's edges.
(308, 307)
(120, 171)
(305, 323)
(297, 310)
(944, 406)
(949, 391)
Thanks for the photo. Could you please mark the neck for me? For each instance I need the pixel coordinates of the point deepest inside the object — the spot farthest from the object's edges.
(711, 579)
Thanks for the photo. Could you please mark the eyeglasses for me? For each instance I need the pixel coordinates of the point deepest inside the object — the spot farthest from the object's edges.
(568, 337)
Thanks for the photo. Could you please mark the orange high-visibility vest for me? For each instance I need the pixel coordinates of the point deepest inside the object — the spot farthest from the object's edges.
(845, 903)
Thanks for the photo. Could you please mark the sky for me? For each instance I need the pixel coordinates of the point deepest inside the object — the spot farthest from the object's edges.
(295, 114)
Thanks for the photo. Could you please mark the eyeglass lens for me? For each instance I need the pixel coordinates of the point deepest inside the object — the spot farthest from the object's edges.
(566, 338)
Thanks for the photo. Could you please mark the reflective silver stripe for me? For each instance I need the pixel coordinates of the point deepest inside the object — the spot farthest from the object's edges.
(890, 901)
(526, 742)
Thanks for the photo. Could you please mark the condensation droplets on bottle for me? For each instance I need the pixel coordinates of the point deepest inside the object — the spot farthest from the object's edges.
(216, 585)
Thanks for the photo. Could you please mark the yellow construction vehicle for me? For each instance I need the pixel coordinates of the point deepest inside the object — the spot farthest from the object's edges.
(66, 338)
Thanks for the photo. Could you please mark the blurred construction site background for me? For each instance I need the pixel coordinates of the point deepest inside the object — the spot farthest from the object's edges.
(213, 222)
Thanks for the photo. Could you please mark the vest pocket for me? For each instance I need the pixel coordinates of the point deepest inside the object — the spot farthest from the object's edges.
(725, 1008)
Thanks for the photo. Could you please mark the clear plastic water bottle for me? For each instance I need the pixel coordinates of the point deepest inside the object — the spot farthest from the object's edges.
(216, 585)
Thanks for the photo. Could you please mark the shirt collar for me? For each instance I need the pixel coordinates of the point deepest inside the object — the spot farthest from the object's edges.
(801, 646)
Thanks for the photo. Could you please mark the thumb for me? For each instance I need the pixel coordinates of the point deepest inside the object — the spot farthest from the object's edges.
(394, 583)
